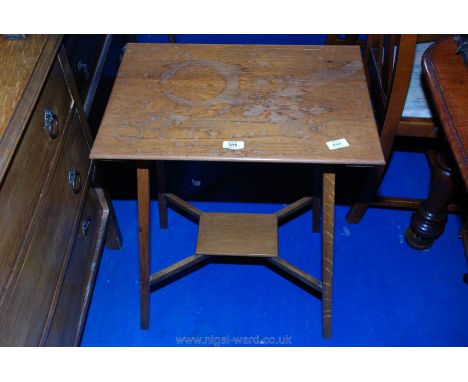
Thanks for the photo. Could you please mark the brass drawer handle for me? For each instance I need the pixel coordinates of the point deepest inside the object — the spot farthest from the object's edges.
(51, 123)
(74, 180)
(85, 226)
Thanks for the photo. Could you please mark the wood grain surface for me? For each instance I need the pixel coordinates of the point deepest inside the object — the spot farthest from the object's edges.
(143, 187)
(17, 61)
(48, 250)
(40, 210)
(328, 229)
(29, 172)
(232, 234)
(10, 138)
(296, 272)
(181, 102)
(68, 318)
(175, 268)
(447, 77)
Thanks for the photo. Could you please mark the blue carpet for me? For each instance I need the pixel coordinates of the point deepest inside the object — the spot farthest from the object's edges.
(385, 293)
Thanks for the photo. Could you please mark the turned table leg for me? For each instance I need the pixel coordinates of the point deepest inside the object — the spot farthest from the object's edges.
(161, 175)
(328, 222)
(143, 185)
(428, 221)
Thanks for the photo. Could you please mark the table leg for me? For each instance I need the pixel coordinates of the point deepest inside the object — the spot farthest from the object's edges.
(161, 175)
(143, 185)
(428, 221)
(328, 210)
(316, 210)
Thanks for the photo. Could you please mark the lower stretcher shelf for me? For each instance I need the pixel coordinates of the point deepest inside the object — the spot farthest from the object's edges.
(234, 234)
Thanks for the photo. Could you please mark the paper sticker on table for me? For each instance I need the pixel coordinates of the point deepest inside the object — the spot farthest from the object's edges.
(337, 144)
(233, 145)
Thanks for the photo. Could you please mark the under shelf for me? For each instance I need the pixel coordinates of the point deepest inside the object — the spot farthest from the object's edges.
(235, 234)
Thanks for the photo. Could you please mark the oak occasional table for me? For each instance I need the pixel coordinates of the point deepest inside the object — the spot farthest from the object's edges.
(242, 103)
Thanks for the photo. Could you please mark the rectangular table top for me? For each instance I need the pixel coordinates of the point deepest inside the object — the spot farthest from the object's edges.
(271, 103)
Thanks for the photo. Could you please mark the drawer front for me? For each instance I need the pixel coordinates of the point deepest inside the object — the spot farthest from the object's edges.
(71, 309)
(30, 168)
(83, 54)
(34, 292)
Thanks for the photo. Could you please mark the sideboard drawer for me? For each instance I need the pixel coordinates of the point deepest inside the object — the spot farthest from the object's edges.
(72, 305)
(30, 168)
(35, 290)
(83, 54)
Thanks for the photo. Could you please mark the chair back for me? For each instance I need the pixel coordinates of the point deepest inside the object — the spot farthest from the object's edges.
(388, 60)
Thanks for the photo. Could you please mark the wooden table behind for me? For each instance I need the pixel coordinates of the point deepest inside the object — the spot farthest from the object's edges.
(447, 76)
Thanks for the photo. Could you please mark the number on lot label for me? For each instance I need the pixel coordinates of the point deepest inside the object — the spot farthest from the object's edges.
(233, 145)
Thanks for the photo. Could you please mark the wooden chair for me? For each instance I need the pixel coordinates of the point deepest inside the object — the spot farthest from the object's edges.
(393, 65)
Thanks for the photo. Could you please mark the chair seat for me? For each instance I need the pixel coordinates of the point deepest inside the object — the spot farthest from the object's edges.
(417, 101)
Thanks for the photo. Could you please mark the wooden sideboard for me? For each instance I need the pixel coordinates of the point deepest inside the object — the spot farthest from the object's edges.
(54, 216)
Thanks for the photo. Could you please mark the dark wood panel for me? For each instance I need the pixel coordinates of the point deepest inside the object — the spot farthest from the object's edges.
(83, 54)
(114, 238)
(34, 292)
(70, 313)
(29, 172)
(447, 76)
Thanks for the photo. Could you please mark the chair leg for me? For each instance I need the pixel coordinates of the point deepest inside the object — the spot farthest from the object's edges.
(356, 213)
(328, 200)
(316, 214)
(143, 186)
(161, 175)
(368, 192)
